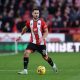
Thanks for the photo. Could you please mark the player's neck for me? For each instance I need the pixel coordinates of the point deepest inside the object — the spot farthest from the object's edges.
(34, 19)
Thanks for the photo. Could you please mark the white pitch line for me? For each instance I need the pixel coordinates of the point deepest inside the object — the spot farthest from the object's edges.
(9, 70)
(7, 54)
(19, 70)
(60, 70)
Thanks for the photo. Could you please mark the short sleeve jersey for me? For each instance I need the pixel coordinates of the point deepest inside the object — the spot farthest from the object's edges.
(37, 29)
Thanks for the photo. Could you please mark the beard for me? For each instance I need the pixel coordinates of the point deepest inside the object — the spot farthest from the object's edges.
(36, 18)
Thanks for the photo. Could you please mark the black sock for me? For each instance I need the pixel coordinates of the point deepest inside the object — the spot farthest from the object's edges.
(50, 61)
(26, 61)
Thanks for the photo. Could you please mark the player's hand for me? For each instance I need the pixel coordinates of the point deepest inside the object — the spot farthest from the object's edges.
(18, 38)
(40, 40)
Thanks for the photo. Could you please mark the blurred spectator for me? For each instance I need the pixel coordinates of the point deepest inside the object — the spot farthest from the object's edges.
(66, 17)
(52, 8)
(57, 13)
(38, 2)
(57, 20)
(44, 12)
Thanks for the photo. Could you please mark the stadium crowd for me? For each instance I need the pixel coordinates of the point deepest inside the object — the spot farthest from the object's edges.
(57, 13)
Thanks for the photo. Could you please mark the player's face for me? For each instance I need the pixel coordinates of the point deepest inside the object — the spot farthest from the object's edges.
(35, 14)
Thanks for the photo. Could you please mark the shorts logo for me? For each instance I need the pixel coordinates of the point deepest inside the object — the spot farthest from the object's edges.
(44, 52)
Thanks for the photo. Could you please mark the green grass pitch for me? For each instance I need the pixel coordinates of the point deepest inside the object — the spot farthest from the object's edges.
(68, 66)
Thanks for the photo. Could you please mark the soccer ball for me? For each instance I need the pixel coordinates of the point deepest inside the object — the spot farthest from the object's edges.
(41, 70)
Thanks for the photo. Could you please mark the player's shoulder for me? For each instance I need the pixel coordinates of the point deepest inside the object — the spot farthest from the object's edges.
(42, 19)
(28, 20)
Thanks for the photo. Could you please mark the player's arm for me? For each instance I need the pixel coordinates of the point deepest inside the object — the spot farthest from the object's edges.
(45, 33)
(23, 31)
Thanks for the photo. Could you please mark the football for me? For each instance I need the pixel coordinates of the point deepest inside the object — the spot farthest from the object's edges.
(41, 70)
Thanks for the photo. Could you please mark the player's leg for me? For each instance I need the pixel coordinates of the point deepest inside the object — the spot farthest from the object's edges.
(25, 61)
(51, 63)
(43, 51)
(29, 49)
(26, 58)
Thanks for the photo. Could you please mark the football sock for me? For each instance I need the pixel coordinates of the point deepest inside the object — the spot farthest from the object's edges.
(50, 61)
(26, 61)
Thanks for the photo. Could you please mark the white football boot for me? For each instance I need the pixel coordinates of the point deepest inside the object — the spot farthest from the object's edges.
(55, 68)
(23, 72)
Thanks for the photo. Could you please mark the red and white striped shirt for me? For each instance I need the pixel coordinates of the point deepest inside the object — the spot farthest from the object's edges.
(37, 30)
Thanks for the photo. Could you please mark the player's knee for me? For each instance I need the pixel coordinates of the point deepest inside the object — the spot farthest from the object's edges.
(26, 53)
(45, 57)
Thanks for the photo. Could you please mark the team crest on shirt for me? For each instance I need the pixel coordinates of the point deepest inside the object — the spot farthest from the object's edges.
(44, 52)
(38, 23)
(31, 23)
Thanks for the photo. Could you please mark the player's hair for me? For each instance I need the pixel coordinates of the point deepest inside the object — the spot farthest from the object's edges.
(35, 8)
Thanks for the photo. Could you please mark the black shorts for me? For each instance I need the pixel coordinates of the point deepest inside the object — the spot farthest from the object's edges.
(39, 48)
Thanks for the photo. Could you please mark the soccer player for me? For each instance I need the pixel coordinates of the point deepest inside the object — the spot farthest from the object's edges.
(39, 32)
